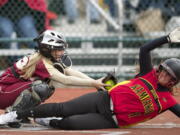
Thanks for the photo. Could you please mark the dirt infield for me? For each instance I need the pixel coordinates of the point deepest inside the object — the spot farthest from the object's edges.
(164, 124)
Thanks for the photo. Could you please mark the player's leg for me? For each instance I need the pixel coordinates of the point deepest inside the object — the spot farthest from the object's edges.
(84, 121)
(97, 102)
(89, 103)
(6, 29)
(29, 97)
(26, 28)
(32, 96)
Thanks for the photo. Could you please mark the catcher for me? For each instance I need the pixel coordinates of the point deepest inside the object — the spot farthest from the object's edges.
(33, 79)
(133, 101)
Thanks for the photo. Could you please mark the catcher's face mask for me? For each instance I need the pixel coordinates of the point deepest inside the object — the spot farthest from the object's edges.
(57, 54)
(64, 62)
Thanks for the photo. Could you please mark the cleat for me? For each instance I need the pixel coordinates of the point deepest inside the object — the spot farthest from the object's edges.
(8, 117)
(14, 124)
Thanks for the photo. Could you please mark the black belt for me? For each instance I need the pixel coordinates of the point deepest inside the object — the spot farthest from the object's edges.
(153, 92)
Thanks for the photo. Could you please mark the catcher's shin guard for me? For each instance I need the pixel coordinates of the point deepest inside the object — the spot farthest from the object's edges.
(25, 100)
(28, 98)
(42, 89)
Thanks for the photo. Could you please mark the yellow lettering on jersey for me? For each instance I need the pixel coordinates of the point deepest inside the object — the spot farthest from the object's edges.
(144, 98)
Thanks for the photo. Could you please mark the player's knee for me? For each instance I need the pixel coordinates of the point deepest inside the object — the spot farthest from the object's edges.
(25, 100)
(42, 89)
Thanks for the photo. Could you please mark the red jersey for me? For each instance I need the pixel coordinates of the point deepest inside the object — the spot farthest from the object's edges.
(138, 100)
(11, 86)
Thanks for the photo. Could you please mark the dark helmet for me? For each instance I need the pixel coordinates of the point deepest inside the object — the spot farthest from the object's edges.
(50, 40)
(172, 66)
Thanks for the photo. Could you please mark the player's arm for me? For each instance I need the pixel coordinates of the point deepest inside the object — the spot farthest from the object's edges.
(65, 66)
(145, 56)
(56, 75)
(60, 77)
(175, 109)
(72, 72)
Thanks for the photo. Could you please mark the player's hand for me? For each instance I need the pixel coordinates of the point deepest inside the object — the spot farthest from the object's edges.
(109, 80)
(174, 36)
(99, 85)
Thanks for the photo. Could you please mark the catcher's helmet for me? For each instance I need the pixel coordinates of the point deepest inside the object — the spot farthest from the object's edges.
(50, 40)
(172, 66)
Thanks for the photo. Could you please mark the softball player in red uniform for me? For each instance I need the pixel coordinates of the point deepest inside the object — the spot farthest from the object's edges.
(32, 79)
(127, 103)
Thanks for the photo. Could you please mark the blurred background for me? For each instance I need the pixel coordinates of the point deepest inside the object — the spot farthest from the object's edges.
(103, 35)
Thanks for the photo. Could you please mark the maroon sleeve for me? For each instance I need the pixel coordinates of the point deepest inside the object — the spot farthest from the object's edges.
(41, 71)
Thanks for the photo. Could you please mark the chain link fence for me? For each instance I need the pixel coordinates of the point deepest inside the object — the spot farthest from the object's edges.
(103, 35)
